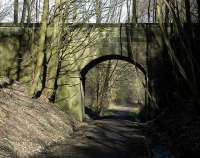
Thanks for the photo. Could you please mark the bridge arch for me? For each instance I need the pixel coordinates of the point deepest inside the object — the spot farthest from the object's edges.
(103, 58)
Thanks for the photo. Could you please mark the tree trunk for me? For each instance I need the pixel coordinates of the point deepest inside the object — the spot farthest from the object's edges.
(98, 11)
(37, 10)
(98, 20)
(198, 3)
(16, 10)
(53, 54)
(74, 3)
(159, 11)
(105, 88)
(40, 48)
(148, 10)
(187, 11)
(26, 9)
(167, 12)
(52, 98)
(134, 12)
(154, 11)
(29, 11)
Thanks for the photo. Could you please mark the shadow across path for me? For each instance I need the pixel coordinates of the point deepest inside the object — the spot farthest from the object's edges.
(105, 138)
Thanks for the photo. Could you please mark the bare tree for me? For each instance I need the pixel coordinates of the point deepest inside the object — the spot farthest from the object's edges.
(187, 10)
(198, 3)
(26, 12)
(16, 11)
(41, 45)
(134, 11)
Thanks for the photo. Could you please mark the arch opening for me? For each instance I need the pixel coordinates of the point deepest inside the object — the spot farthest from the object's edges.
(96, 64)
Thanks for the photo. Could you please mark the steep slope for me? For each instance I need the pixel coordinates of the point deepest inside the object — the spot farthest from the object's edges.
(28, 126)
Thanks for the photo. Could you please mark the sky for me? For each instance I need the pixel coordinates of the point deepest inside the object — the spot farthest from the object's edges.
(6, 10)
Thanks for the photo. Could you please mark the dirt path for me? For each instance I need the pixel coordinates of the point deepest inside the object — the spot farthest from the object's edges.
(103, 139)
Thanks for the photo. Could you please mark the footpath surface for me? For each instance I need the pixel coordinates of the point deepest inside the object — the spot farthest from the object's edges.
(107, 138)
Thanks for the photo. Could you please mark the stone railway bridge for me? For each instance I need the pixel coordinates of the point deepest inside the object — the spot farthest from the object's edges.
(139, 44)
